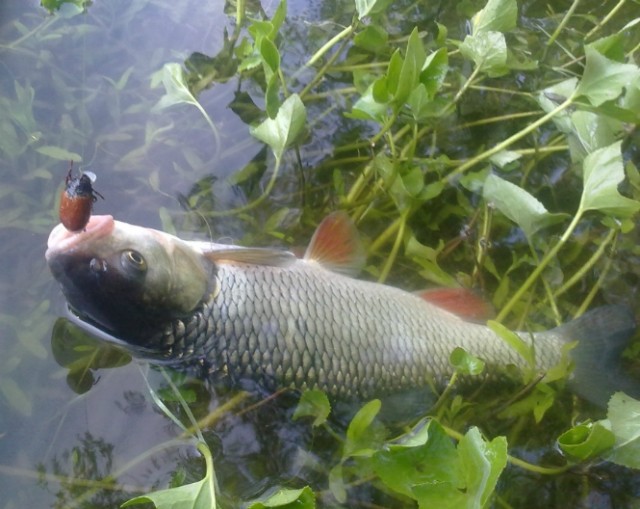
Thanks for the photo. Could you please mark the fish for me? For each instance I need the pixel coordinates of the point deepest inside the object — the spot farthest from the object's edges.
(266, 316)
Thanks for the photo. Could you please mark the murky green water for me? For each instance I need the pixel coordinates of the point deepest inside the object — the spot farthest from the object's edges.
(84, 87)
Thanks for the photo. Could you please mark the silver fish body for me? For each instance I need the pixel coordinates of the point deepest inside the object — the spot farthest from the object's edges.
(285, 322)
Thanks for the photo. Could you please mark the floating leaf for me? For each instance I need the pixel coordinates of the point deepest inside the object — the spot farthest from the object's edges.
(465, 363)
(482, 463)
(514, 341)
(367, 7)
(288, 499)
(373, 38)
(176, 88)
(587, 440)
(603, 172)
(198, 495)
(496, 16)
(362, 433)
(624, 415)
(314, 404)
(518, 205)
(430, 459)
(282, 131)
(604, 79)
(488, 50)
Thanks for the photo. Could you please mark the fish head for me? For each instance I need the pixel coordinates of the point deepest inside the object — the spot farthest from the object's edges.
(127, 280)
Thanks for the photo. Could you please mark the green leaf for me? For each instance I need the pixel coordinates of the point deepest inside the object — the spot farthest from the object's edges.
(428, 456)
(465, 363)
(434, 71)
(518, 205)
(362, 434)
(482, 463)
(367, 7)
(313, 403)
(496, 16)
(604, 79)
(198, 495)
(281, 131)
(407, 79)
(624, 415)
(504, 158)
(514, 341)
(538, 401)
(288, 499)
(59, 153)
(176, 88)
(603, 172)
(488, 50)
(587, 440)
(373, 38)
(270, 55)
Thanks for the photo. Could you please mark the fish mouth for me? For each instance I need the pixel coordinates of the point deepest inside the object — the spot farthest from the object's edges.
(62, 240)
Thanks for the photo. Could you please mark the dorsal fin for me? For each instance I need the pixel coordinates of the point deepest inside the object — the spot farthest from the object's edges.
(336, 245)
(462, 302)
(250, 255)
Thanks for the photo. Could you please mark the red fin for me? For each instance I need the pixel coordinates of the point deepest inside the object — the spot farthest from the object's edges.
(336, 245)
(460, 301)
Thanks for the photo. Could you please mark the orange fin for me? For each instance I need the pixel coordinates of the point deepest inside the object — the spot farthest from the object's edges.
(336, 245)
(460, 301)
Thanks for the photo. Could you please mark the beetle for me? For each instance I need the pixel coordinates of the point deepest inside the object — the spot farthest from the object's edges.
(77, 199)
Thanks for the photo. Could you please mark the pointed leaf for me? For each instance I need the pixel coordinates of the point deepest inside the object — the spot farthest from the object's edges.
(624, 415)
(518, 205)
(287, 499)
(482, 462)
(603, 171)
(198, 495)
(497, 16)
(314, 404)
(604, 79)
(281, 131)
(587, 440)
(488, 50)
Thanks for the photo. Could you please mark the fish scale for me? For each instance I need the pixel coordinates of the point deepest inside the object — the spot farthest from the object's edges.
(306, 327)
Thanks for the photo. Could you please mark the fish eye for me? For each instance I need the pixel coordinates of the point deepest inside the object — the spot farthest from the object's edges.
(133, 259)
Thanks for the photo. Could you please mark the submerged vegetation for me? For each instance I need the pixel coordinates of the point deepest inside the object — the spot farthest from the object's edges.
(489, 146)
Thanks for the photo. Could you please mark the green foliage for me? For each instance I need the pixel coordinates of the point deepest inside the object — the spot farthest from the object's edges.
(623, 418)
(313, 404)
(494, 159)
(288, 499)
(283, 130)
(198, 495)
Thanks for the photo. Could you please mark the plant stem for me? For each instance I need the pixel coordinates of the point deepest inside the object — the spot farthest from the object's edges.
(512, 139)
(513, 460)
(587, 266)
(396, 247)
(605, 20)
(327, 46)
(254, 203)
(563, 23)
(541, 266)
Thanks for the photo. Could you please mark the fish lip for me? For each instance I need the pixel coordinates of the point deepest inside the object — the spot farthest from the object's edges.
(62, 240)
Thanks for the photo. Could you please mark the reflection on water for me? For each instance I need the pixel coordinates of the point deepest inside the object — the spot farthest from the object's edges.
(82, 84)
(74, 430)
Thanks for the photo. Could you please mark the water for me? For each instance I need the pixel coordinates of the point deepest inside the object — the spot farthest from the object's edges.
(83, 84)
